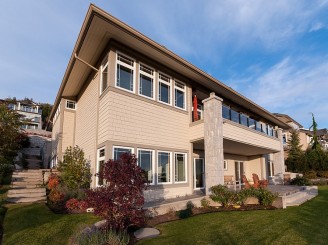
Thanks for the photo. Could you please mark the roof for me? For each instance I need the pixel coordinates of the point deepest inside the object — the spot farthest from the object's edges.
(287, 119)
(100, 27)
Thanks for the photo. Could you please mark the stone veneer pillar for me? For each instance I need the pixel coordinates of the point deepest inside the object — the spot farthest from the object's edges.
(213, 142)
(278, 158)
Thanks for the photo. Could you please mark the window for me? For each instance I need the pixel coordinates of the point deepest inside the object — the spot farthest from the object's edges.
(226, 112)
(284, 139)
(119, 151)
(234, 116)
(251, 123)
(164, 88)
(100, 165)
(145, 161)
(180, 167)
(199, 112)
(179, 94)
(164, 167)
(225, 165)
(244, 120)
(104, 75)
(258, 126)
(146, 81)
(125, 72)
(70, 104)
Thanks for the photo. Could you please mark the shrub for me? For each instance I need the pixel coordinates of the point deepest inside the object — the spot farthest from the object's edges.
(310, 174)
(100, 237)
(301, 181)
(222, 195)
(205, 203)
(323, 174)
(74, 204)
(53, 181)
(56, 196)
(186, 213)
(75, 170)
(120, 199)
(265, 196)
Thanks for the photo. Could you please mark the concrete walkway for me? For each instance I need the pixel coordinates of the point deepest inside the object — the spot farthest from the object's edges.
(144, 233)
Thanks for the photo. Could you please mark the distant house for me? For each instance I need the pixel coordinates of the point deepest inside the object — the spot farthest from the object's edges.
(32, 114)
(123, 92)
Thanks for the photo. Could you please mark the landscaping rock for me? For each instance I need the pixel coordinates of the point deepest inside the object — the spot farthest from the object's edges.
(146, 233)
(100, 224)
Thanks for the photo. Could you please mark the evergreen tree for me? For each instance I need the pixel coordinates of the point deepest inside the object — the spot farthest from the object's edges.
(295, 160)
(315, 139)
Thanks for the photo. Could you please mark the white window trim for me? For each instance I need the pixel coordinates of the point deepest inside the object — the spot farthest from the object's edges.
(75, 105)
(127, 66)
(184, 94)
(194, 178)
(225, 165)
(164, 82)
(148, 75)
(102, 68)
(186, 166)
(98, 160)
(152, 165)
(164, 183)
(123, 147)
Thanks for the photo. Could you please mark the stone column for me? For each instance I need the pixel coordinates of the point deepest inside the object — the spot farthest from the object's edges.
(213, 142)
(278, 157)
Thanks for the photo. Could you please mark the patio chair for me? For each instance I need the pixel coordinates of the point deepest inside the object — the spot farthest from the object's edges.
(245, 181)
(259, 183)
(228, 180)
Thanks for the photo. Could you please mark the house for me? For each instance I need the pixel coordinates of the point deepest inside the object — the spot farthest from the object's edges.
(123, 92)
(31, 112)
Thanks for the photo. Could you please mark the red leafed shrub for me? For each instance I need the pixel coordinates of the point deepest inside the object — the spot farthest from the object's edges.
(83, 205)
(53, 181)
(121, 199)
(56, 196)
(74, 204)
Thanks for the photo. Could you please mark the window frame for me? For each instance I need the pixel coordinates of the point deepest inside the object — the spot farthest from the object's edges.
(167, 83)
(133, 68)
(153, 172)
(148, 75)
(170, 157)
(185, 165)
(122, 147)
(225, 165)
(104, 65)
(184, 90)
(71, 101)
(99, 159)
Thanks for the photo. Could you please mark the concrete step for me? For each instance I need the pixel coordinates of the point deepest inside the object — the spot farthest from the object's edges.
(20, 195)
(26, 186)
(301, 197)
(28, 171)
(26, 199)
(27, 181)
(26, 190)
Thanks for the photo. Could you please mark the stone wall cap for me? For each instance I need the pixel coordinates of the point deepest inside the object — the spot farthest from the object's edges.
(212, 96)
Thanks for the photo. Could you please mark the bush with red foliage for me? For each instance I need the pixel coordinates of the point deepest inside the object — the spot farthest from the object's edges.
(53, 181)
(120, 199)
(74, 204)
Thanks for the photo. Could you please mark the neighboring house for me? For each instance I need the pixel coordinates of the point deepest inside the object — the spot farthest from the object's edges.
(32, 114)
(123, 92)
(321, 133)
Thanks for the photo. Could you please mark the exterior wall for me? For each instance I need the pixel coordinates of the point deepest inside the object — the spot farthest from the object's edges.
(304, 140)
(239, 133)
(56, 150)
(86, 121)
(196, 130)
(68, 129)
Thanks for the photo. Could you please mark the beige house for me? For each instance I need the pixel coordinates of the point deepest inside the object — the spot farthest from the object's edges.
(123, 92)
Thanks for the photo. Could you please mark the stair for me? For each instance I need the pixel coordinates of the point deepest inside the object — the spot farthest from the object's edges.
(302, 196)
(27, 187)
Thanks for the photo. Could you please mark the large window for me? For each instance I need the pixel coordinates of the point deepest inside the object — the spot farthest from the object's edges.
(226, 112)
(244, 120)
(145, 161)
(234, 116)
(146, 81)
(118, 151)
(164, 167)
(164, 88)
(125, 72)
(180, 167)
(179, 94)
(104, 75)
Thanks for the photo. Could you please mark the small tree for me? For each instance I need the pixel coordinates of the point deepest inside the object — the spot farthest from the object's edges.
(75, 169)
(120, 199)
(295, 160)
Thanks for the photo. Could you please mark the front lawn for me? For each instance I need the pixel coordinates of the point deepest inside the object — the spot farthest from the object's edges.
(36, 224)
(306, 224)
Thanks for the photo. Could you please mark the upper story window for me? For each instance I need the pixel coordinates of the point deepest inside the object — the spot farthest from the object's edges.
(164, 88)
(244, 120)
(146, 81)
(179, 95)
(104, 75)
(70, 104)
(125, 72)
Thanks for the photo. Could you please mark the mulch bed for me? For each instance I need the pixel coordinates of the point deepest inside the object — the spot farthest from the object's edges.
(172, 216)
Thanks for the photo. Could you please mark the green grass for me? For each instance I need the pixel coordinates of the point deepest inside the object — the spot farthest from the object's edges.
(306, 224)
(36, 224)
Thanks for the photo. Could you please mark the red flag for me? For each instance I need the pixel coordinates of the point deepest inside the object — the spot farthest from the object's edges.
(195, 109)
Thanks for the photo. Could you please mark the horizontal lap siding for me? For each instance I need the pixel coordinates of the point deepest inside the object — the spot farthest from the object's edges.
(126, 119)
(196, 132)
(237, 133)
(56, 135)
(68, 130)
(86, 121)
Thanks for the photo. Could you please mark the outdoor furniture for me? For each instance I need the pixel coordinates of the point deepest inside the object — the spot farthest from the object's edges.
(287, 179)
(245, 181)
(228, 180)
(259, 183)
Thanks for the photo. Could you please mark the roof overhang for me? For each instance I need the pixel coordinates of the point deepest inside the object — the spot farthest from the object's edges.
(100, 27)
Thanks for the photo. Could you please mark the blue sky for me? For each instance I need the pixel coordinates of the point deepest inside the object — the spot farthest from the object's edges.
(273, 52)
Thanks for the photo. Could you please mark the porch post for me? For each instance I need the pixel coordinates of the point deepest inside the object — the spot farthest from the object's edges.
(278, 158)
(213, 142)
